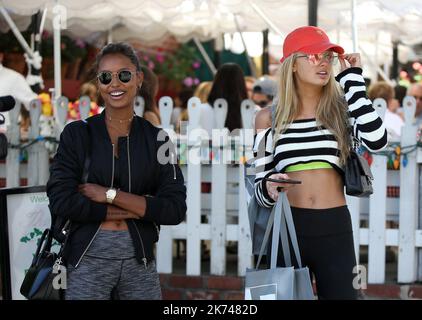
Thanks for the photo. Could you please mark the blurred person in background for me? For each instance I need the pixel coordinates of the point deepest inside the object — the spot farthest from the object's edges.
(14, 84)
(392, 120)
(249, 82)
(415, 90)
(181, 104)
(229, 84)
(400, 92)
(148, 91)
(90, 90)
(202, 92)
(264, 91)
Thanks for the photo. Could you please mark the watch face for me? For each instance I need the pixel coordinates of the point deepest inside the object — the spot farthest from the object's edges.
(111, 193)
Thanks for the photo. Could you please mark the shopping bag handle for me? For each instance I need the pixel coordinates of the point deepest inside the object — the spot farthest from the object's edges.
(266, 236)
(275, 220)
(290, 225)
(279, 225)
(281, 215)
(284, 238)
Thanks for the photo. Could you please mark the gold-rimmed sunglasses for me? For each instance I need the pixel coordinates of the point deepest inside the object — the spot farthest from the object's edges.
(105, 77)
(316, 58)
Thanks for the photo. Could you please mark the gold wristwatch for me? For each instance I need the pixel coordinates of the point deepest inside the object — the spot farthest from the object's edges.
(110, 195)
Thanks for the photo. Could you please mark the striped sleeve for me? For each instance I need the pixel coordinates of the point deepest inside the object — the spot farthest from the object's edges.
(264, 166)
(368, 126)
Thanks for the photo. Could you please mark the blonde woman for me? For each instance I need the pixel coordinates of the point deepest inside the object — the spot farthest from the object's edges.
(310, 143)
(202, 92)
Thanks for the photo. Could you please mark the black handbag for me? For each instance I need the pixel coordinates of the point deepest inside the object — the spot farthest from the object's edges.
(43, 279)
(357, 174)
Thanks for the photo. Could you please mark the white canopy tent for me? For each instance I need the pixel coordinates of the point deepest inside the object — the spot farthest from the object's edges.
(378, 23)
(151, 20)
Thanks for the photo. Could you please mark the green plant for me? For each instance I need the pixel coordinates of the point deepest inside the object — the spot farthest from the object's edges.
(71, 49)
(179, 66)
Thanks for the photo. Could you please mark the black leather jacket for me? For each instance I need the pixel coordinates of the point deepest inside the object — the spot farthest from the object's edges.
(162, 184)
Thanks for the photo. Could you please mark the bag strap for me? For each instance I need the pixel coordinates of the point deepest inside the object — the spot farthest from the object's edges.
(355, 143)
(281, 216)
(276, 219)
(43, 245)
(290, 225)
(284, 238)
(266, 236)
(276, 232)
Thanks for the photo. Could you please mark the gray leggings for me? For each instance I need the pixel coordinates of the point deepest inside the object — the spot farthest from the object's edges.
(109, 268)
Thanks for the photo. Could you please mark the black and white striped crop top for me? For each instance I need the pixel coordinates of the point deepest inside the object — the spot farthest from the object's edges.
(306, 141)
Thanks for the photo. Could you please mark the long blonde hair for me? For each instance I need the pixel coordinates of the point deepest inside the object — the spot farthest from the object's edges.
(331, 111)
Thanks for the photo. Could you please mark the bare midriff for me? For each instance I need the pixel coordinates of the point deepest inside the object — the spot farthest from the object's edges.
(116, 225)
(320, 189)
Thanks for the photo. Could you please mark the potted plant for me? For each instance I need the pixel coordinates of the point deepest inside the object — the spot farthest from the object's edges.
(174, 69)
(72, 53)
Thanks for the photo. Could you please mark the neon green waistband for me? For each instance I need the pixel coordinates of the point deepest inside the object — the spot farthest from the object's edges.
(309, 166)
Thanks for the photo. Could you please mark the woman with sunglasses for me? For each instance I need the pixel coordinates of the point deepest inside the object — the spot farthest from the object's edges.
(310, 142)
(134, 186)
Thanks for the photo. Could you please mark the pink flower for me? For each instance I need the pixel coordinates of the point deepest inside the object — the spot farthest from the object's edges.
(188, 82)
(146, 58)
(45, 34)
(80, 43)
(196, 81)
(151, 65)
(196, 64)
(403, 74)
(160, 58)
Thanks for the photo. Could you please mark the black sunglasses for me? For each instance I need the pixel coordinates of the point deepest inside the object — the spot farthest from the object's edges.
(105, 77)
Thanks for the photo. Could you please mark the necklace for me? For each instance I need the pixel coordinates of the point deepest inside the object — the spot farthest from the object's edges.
(120, 121)
(124, 132)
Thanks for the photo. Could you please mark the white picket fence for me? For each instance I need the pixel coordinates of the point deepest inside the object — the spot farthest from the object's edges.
(226, 209)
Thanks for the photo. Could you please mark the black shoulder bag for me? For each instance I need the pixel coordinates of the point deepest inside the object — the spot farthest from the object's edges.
(41, 282)
(357, 173)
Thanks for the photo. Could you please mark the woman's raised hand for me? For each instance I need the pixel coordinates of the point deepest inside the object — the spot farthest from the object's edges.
(351, 59)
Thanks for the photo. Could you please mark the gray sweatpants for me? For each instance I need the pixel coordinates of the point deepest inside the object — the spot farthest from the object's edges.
(109, 266)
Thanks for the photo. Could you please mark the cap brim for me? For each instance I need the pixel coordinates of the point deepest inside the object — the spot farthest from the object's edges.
(318, 48)
(321, 47)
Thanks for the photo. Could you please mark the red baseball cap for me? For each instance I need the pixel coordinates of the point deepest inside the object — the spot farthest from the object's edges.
(308, 40)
